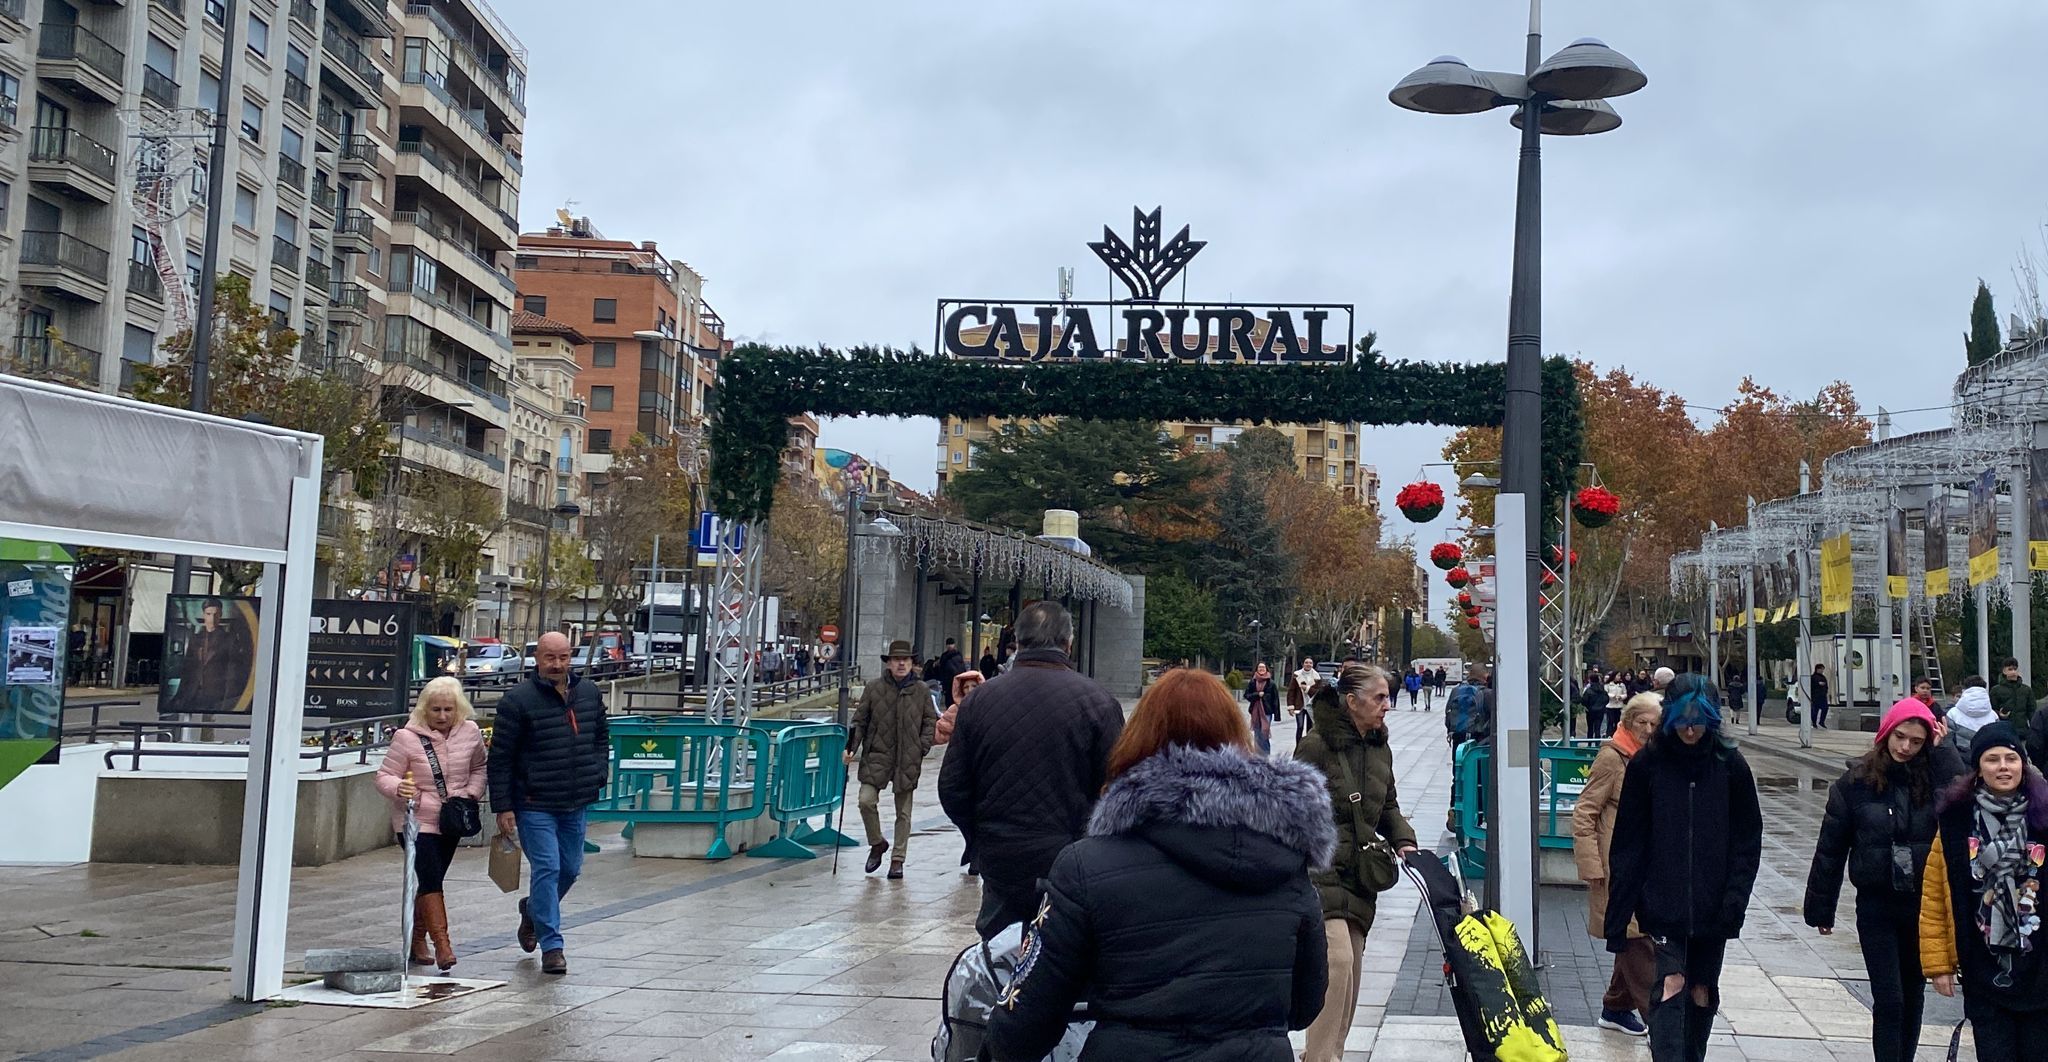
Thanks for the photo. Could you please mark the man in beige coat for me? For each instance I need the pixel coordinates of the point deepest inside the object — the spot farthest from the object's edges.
(1635, 970)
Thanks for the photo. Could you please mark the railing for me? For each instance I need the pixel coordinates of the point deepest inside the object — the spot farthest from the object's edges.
(329, 118)
(292, 173)
(421, 435)
(349, 297)
(351, 55)
(61, 41)
(51, 143)
(143, 281)
(496, 274)
(447, 98)
(433, 157)
(356, 738)
(61, 250)
(353, 223)
(296, 90)
(529, 513)
(575, 407)
(440, 302)
(157, 87)
(9, 110)
(304, 14)
(284, 254)
(360, 149)
(175, 7)
(318, 276)
(481, 71)
(43, 356)
(14, 9)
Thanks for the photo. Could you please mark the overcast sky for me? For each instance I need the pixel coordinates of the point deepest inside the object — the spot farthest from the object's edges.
(1805, 191)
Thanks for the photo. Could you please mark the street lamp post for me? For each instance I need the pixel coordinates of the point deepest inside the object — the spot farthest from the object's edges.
(1563, 95)
(567, 510)
(503, 585)
(856, 487)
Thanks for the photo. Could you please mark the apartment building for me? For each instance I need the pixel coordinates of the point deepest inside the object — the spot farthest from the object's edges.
(548, 422)
(654, 343)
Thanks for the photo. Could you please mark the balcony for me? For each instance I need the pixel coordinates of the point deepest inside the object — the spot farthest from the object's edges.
(358, 161)
(159, 89)
(528, 513)
(291, 173)
(422, 230)
(457, 324)
(81, 61)
(575, 407)
(467, 124)
(173, 8)
(297, 92)
(12, 24)
(43, 358)
(64, 263)
(76, 164)
(323, 199)
(305, 15)
(329, 119)
(10, 113)
(352, 232)
(356, 72)
(284, 254)
(350, 303)
(143, 281)
(318, 276)
(421, 159)
(511, 98)
(421, 435)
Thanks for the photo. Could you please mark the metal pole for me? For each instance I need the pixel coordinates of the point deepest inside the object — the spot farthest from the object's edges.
(1984, 632)
(1569, 659)
(1886, 660)
(846, 614)
(974, 610)
(1750, 693)
(209, 255)
(2021, 579)
(547, 541)
(1805, 655)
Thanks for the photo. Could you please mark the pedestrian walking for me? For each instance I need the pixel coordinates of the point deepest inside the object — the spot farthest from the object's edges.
(1818, 688)
(1593, 699)
(436, 758)
(1025, 766)
(949, 663)
(1972, 712)
(1661, 678)
(1630, 988)
(1185, 919)
(1618, 695)
(964, 683)
(550, 757)
(1349, 745)
(1262, 702)
(1412, 682)
(1306, 679)
(1980, 896)
(1734, 690)
(1923, 691)
(1468, 714)
(1880, 823)
(1440, 680)
(894, 725)
(1688, 838)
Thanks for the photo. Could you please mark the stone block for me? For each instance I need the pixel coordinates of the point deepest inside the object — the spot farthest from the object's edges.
(352, 960)
(366, 983)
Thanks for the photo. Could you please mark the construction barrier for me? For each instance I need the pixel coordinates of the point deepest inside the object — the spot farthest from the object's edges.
(684, 771)
(806, 779)
(1562, 775)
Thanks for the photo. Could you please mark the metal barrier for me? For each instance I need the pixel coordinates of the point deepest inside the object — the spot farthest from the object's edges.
(357, 737)
(806, 779)
(1563, 769)
(684, 771)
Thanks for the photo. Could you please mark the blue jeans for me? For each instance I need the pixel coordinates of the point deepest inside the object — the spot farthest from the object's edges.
(553, 841)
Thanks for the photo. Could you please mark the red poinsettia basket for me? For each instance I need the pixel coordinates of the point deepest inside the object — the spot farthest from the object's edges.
(1595, 506)
(1472, 622)
(1446, 555)
(1458, 577)
(1549, 579)
(1557, 556)
(1420, 501)
(1464, 599)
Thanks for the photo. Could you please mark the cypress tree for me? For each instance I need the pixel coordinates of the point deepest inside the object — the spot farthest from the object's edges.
(1982, 341)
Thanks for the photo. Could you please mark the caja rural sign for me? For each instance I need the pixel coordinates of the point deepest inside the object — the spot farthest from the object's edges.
(1143, 327)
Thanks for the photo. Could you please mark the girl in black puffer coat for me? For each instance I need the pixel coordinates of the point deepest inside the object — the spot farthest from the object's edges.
(1880, 822)
(1688, 837)
(1185, 919)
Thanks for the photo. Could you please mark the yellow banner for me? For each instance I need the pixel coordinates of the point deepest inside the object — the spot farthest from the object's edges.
(1757, 616)
(1984, 566)
(1937, 582)
(2037, 554)
(1837, 575)
(1895, 587)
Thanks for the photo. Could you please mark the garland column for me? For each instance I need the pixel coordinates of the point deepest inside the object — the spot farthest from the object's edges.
(2022, 582)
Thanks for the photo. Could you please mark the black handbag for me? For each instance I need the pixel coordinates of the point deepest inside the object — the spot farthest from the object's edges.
(460, 816)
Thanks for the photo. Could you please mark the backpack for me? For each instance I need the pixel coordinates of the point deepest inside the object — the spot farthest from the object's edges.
(1459, 713)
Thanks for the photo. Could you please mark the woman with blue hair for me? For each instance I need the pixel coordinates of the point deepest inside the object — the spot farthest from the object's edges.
(1688, 836)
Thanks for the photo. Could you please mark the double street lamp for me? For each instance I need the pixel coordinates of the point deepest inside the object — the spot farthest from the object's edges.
(568, 511)
(1564, 96)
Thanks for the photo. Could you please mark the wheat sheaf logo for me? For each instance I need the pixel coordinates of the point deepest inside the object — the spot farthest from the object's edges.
(1144, 266)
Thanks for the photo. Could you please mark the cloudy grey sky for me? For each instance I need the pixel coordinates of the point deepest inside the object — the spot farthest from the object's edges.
(1807, 190)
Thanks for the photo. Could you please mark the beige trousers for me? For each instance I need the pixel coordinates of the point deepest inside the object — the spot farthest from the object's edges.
(871, 817)
(1327, 1033)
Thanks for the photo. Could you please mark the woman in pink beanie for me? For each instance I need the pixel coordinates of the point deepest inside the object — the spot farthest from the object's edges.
(1880, 822)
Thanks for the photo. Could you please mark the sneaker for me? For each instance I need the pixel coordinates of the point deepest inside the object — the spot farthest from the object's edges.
(529, 938)
(1622, 1021)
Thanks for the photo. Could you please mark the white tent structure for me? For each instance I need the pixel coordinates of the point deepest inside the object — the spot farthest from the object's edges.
(95, 470)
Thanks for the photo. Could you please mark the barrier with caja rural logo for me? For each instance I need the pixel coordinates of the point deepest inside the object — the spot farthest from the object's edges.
(693, 772)
(1562, 777)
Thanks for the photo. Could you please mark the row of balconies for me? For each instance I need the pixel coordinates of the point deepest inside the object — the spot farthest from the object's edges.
(511, 98)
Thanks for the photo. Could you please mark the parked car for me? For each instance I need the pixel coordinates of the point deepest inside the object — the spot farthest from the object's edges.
(492, 661)
(528, 661)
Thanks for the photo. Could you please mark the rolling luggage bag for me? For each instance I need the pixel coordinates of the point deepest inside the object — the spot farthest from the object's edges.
(1499, 1002)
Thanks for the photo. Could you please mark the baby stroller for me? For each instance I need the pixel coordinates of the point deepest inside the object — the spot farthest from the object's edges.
(974, 986)
(1500, 1004)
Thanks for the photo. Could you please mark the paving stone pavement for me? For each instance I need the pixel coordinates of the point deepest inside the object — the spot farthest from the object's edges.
(681, 959)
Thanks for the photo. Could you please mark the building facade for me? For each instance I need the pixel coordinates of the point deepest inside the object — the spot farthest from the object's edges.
(548, 422)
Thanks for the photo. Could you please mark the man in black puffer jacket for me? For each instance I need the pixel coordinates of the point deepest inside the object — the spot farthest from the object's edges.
(1025, 764)
(550, 757)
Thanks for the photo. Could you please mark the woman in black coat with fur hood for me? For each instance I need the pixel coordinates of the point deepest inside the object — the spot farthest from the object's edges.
(1185, 919)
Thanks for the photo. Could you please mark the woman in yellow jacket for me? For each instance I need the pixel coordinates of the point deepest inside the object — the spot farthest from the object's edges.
(1979, 899)
(1635, 969)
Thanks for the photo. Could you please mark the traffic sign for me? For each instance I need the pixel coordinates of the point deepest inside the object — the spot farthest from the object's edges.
(828, 634)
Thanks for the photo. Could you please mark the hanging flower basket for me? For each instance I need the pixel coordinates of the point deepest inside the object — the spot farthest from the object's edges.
(1472, 622)
(1464, 599)
(1595, 506)
(1549, 578)
(1420, 501)
(1458, 577)
(1446, 555)
(1557, 556)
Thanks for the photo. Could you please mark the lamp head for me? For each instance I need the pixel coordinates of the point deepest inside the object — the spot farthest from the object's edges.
(1573, 118)
(1587, 69)
(1447, 86)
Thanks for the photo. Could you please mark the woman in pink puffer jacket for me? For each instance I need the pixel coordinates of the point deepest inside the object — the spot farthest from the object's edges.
(441, 719)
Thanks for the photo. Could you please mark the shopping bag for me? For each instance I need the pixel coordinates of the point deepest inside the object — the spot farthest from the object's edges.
(505, 860)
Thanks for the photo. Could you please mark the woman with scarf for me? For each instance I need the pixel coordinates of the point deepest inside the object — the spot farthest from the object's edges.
(1979, 916)
(1635, 968)
(1880, 823)
(1262, 701)
(1688, 838)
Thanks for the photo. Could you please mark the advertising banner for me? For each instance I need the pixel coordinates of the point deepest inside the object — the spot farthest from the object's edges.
(1934, 547)
(356, 652)
(209, 655)
(1984, 528)
(2037, 511)
(1895, 555)
(1837, 575)
(35, 603)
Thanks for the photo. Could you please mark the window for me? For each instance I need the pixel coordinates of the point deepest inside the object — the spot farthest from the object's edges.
(138, 247)
(291, 143)
(10, 97)
(376, 261)
(287, 227)
(959, 427)
(194, 263)
(209, 90)
(252, 121)
(957, 458)
(217, 10)
(652, 401)
(601, 399)
(295, 62)
(534, 304)
(138, 345)
(604, 309)
(600, 441)
(245, 206)
(280, 309)
(259, 34)
(160, 57)
(604, 355)
(6, 191)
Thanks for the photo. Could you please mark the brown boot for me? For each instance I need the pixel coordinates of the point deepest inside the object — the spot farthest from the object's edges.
(435, 907)
(418, 955)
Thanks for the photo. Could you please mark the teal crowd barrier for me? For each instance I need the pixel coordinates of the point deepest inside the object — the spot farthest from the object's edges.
(1563, 770)
(806, 780)
(685, 771)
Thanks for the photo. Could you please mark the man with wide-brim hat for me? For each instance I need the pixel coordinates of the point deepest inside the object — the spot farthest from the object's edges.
(894, 726)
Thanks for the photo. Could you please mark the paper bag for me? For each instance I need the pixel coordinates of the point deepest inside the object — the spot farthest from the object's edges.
(505, 862)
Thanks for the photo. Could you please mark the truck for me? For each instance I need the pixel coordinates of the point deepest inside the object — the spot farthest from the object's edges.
(1454, 667)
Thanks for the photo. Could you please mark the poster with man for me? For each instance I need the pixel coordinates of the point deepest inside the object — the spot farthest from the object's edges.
(1895, 586)
(1984, 528)
(2037, 511)
(1934, 546)
(209, 655)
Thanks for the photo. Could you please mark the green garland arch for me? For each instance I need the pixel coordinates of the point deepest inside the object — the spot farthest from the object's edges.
(761, 387)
